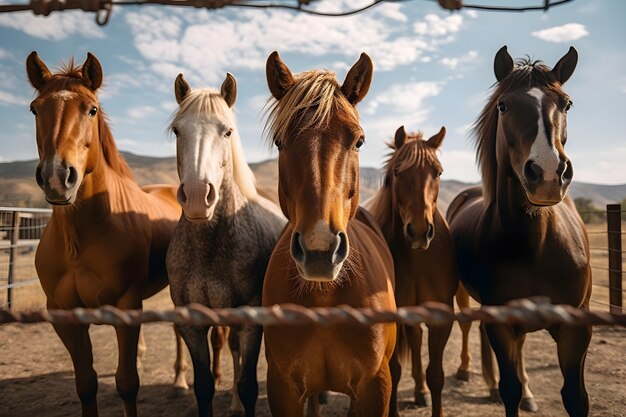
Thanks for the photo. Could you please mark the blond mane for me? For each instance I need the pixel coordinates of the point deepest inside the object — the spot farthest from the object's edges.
(310, 103)
(208, 100)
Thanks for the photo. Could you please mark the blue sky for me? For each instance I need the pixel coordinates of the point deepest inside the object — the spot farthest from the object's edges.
(432, 69)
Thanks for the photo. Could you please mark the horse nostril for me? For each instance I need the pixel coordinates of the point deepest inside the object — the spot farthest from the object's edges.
(39, 177)
(341, 251)
(180, 194)
(72, 177)
(210, 196)
(297, 250)
(431, 231)
(532, 172)
(568, 173)
(410, 231)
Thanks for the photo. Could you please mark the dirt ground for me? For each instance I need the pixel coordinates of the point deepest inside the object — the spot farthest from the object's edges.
(36, 376)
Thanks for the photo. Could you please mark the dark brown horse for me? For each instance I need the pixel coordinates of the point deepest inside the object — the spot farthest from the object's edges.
(521, 236)
(107, 238)
(331, 252)
(423, 253)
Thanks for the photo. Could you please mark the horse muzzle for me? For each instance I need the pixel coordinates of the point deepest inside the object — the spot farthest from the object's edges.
(59, 182)
(419, 239)
(319, 265)
(198, 201)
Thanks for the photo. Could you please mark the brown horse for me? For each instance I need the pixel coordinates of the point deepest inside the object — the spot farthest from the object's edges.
(331, 252)
(423, 253)
(522, 236)
(107, 238)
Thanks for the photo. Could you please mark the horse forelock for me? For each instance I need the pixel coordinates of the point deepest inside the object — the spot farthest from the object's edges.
(526, 74)
(312, 102)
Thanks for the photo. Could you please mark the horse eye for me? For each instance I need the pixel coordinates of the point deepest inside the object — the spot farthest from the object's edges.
(32, 110)
(359, 142)
(569, 105)
(230, 132)
(439, 173)
(93, 111)
(175, 131)
(502, 108)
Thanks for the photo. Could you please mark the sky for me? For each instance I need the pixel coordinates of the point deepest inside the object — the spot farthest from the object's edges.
(432, 68)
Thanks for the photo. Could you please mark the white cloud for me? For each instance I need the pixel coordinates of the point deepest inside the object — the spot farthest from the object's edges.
(459, 164)
(472, 13)
(4, 54)
(464, 130)
(453, 63)
(560, 34)
(10, 99)
(205, 45)
(141, 112)
(406, 98)
(54, 27)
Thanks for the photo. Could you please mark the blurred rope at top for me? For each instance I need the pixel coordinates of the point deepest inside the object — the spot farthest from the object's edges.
(103, 8)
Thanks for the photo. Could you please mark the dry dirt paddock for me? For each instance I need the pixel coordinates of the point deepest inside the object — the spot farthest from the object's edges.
(36, 376)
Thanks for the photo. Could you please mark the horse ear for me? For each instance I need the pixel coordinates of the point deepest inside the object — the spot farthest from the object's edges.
(566, 65)
(229, 89)
(435, 141)
(502, 64)
(38, 72)
(358, 80)
(279, 78)
(400, 137)
(92, 72)
(181, 88)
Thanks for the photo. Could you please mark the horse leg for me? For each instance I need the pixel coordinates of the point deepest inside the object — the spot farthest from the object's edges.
(218, 338)
(528, 401)
(180, 365)
(373, 397)
(414, 338)
(572, 343)
(488, 365)
(141, 350)
(395, 369)
(504, 342)
(247, 384)
(437, 339)
(126, 377)
(282, 396)
(313, 406)
(77, 342)
(236, 407)
(203, 382)
(462, 300)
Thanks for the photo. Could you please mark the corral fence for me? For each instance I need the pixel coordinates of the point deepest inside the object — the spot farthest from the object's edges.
(21, 228)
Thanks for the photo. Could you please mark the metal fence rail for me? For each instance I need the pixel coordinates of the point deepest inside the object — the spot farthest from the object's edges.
(534, 313)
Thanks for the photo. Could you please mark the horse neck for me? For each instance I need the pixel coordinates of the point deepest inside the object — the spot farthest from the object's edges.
(388, 217)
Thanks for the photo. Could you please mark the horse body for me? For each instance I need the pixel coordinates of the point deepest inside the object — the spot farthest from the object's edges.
(521, 236)
(331, 252)
(106, 240)
(423, 253)
(223, 241)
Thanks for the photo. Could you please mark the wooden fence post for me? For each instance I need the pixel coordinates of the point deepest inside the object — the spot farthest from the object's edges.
(15, 235)
(614, 232)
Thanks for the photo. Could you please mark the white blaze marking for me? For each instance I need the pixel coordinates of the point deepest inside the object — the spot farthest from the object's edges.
(543, 152)
(64, 95)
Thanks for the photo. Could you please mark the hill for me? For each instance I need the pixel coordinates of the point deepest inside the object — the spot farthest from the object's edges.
(18, 187)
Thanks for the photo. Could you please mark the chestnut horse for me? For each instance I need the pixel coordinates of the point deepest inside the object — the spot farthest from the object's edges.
(423, 254)
(521, 236)
(331, 252)
(221, 246)
(107, 238)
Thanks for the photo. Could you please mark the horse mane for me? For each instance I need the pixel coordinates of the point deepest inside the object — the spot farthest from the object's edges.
(208, 100)
(316, 90)
(69, 77)
(526, 74)
(414, 152)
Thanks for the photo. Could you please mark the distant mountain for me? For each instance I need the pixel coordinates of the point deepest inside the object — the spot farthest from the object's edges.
(18, 187)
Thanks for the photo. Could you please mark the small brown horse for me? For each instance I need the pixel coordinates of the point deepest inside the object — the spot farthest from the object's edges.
(331, 252)
(522, 236)
(423, 253)
(107, 238)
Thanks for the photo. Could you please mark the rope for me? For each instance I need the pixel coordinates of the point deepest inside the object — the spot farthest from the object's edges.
(536, 313)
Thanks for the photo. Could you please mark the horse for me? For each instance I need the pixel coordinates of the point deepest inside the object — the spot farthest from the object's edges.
(520, 234)
(106, 240)
(223, 241)
(331, 252)
(418, 236)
